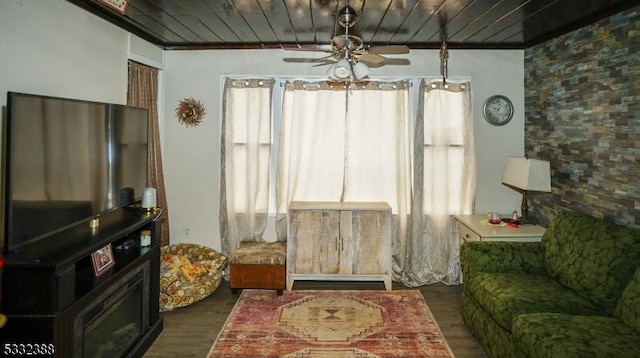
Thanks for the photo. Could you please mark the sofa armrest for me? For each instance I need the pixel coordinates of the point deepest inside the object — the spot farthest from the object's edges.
(501, 256)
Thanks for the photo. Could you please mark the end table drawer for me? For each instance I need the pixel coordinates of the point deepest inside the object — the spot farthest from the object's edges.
(466, 234)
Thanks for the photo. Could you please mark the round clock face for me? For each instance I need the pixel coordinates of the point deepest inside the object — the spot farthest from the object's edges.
(498, 110)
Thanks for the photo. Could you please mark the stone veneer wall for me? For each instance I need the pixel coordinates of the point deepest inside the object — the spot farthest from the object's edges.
(582, 109)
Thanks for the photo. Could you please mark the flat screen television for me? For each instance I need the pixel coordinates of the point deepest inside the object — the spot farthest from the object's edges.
(67, 161)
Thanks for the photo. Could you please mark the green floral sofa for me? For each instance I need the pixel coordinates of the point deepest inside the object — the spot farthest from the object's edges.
(575, 294)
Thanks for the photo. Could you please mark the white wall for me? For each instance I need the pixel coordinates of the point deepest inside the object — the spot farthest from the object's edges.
(53, 47)
(192, 154)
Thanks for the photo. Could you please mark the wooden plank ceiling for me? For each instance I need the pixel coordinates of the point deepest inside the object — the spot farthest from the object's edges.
(244, 24)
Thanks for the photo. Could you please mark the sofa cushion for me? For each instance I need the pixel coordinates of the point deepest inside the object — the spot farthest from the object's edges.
(571, 336)
(506, 295)
(628, 307)
(594, 258)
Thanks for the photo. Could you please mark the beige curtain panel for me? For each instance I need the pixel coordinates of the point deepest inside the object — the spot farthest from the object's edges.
(245, 161)
(143, 92)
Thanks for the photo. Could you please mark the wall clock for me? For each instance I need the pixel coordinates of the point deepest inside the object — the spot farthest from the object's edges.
(498, 110)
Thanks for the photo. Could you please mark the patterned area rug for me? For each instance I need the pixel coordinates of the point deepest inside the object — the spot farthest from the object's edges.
(328, 324)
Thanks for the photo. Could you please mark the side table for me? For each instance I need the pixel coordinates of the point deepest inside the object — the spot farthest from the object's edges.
(476, 228)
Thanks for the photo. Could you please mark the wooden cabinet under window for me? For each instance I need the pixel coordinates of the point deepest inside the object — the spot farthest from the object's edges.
(339, 241)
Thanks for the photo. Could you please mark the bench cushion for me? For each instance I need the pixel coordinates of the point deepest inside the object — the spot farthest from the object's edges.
(264, 253)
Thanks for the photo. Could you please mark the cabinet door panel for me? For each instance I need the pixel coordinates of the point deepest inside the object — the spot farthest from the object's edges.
(327, 244)
(348, 247)
(316, 234)
(370, 230)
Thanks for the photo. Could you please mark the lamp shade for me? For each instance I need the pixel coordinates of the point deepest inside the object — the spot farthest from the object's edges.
(527, 174)
(340, 70)
(360, 70)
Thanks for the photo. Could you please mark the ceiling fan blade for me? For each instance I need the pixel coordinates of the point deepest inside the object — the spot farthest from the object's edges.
(324, 63)
(389, 50)
(390, 61)
(372, 59)
(309, 48)
(300, 60)
(349, 42)
(397, 61)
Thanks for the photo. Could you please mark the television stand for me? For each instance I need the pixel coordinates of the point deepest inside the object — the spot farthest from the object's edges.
(54, 302)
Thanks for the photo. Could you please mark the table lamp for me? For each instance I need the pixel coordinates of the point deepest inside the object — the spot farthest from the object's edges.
(524, 175)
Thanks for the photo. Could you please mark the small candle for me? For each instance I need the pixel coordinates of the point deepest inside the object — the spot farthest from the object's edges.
(149, 198)
(145, 238)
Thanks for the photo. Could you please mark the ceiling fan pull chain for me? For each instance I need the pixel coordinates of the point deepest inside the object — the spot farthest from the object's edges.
(444, 58)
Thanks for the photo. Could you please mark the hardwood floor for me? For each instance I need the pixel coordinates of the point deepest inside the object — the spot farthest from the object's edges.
(190, 331)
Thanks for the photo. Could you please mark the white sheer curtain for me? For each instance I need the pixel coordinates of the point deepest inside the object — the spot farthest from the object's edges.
(345, 144)
(444, 183)
(311, 150)
(245, 161)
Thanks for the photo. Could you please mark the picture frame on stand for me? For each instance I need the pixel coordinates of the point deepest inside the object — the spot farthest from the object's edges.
(102, 260)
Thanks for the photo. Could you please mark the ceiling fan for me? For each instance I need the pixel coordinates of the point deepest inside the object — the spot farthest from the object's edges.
(348, 58)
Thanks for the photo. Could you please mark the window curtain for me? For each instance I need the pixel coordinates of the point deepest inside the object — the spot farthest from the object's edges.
(444, 183)
(340, 143)
(143, 92)
(245, 161)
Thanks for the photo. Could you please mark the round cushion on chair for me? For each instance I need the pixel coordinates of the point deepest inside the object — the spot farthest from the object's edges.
(188, 273)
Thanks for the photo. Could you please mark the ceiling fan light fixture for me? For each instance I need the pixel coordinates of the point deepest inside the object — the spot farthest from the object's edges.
(340, 70)
(360, 70)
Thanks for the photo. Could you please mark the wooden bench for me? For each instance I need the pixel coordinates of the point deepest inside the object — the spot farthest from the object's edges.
(259, 265)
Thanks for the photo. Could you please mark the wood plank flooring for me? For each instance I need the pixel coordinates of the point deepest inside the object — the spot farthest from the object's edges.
(190, 331)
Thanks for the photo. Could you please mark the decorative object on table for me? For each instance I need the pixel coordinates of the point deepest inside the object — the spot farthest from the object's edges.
(149, 199)
(498, 110)
(331, 323)
(145, 238)
(526, 175)
(488, 223)
(190, 112)
(514, 223)
(102, 260)
(95, 222)
(126, 196)
(494, 218)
